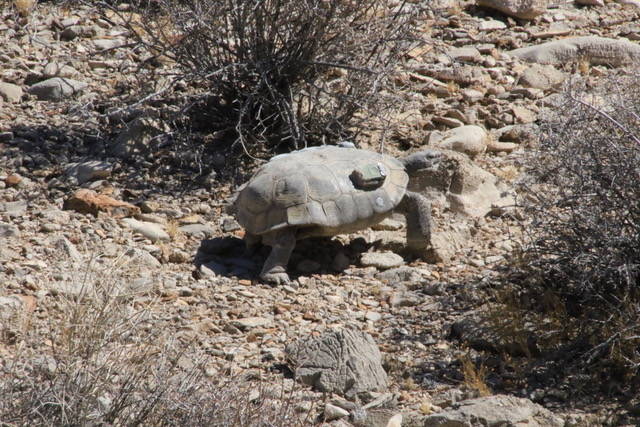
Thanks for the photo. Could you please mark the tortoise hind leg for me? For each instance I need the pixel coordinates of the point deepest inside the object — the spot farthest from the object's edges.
(417, 210)
(275, 267)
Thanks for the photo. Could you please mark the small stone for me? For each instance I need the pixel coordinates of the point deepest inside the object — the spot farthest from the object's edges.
(388, 224)
(200, 231)
(10, 92)
(150, 230)
(229, 225)
(178, 256)
(14, 209)
(523, 115)
(8, 231)
(56, 88)
(88, 171)
(54, 69)
(447, 121)
(381, 260)
(373, 316)
(251, 323)
(68, 248)
(470, 54)
(212, 269)
(404, 299)
(491, 25)
(471, 140)
(104, 44)
(88, 201)
(472, 95)
(50, 227)
(332, 412)
(13, 180)
(143, 257)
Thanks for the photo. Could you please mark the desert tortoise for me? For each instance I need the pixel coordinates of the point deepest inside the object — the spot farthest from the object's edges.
(328, 190)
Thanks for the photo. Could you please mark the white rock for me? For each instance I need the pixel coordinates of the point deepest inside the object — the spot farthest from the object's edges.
(10, 92)
(491, 25)
(381, 260)
(470, 140)
(333, 412)
(150, 230)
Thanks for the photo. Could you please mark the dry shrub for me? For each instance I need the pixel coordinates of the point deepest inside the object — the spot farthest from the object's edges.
(580, 274)
(24, 7)
(474, 376)
(277, 75)
(107, 359)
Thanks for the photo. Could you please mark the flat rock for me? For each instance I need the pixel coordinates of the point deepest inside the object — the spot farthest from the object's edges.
(14, 209)
(57, 88)
(381, 260)
(88, 171)
(150, 230)
(89, 202)
(542, 77)
(523, 9)
(10, 92)
(399, 274)
(249, 323)
(200, 231)
(104, 44)
(491, 25)
(470, 54)
(594, 49)
(499, 410)
(344, 361)
(447, 241)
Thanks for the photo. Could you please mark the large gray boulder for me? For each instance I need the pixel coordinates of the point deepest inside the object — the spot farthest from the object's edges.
(346, 362)
(499, 410)
(462, 186)
(523, 9)
(596, 50)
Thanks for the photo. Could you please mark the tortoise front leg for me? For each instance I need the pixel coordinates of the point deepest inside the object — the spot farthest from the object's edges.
(417, 210)
(275, 267)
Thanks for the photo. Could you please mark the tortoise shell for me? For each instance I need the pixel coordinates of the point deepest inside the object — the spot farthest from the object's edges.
(325, 190)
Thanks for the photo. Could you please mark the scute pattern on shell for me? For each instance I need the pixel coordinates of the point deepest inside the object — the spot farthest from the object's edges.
(312, 188)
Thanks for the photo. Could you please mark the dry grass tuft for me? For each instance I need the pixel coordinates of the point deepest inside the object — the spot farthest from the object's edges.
(24, 7)
(106, 358)
(474, 376)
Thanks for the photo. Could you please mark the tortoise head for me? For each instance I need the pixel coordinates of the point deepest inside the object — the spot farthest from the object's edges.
(422, 160)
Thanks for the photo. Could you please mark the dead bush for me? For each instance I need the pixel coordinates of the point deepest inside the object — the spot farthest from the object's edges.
(580, 273)
(277, 75)
(106, 358)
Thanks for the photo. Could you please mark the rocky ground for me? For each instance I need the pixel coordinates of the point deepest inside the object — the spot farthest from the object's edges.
(75, 217)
